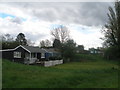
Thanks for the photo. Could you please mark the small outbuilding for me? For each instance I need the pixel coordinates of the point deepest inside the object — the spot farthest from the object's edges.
(51, 52)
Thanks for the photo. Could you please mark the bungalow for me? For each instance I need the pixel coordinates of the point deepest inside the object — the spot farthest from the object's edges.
(24, 54)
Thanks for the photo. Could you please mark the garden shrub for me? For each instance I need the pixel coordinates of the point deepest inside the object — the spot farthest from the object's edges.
(55, 58)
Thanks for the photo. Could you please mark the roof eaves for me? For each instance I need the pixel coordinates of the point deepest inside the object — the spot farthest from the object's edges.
(7, 50)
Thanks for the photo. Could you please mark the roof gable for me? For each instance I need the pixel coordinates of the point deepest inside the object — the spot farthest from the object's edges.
(33, 49)
(22, 47)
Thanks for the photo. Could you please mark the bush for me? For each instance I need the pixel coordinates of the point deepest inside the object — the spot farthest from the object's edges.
(68, 50)
(55, 58)
(112, 52)
(88, 57)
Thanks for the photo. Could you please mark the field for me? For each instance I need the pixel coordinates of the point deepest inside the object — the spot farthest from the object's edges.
(93, 73)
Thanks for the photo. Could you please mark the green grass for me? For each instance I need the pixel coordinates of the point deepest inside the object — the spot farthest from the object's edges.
(88, 74)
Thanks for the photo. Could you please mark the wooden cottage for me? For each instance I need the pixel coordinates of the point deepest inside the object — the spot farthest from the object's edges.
(24, 54)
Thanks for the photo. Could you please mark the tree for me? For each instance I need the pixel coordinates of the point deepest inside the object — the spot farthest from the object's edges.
(42, 43)
(7, 41)
(6, 37)
(21, 39)
(9, 45)
(45, 43)
(112, 28)
(112, 32)
(80, 47)
(56, 44)
(69, 50)
(61, 33)
(2, 38)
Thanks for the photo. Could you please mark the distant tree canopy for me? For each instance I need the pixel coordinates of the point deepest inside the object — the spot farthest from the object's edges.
(112, 32)
(80, 47)
(8, 42)
(21, 39)
(61, 33)
(9, 45)
(42, 43)
(48, 43)
(30, 43)
(56, 44)
(45, 43)
(63, 42)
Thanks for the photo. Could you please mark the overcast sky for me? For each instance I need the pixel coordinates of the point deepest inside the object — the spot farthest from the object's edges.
(36, 19)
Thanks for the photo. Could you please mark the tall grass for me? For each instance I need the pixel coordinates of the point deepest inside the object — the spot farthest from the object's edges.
(88, 57)
(97, 74)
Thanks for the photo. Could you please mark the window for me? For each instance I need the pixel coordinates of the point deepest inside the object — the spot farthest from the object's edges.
(17, 54)
(33, 55)
(42, 55)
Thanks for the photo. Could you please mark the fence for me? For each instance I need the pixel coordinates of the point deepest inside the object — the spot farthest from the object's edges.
(52, 63)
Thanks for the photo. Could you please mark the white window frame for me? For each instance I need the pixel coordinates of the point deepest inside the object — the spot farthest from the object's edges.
(17, 54)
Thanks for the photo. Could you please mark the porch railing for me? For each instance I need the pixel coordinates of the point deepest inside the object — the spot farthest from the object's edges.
(30, 60)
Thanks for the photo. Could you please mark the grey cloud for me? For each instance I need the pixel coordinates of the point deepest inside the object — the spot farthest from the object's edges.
(94, 13)
(86, 13)
(80, 13)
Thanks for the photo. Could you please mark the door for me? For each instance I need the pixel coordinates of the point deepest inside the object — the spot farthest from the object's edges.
(39, 56)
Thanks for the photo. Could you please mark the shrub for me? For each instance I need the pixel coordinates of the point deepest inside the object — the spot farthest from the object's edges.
(55, 58)
(112, 52)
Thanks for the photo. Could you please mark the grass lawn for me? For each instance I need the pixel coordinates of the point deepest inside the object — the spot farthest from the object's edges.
(87, 74)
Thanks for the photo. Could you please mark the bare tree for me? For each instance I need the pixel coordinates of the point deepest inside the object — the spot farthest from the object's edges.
(61, 33)
(42, 43)
(47, 43)
(7, 37)
(30, 43)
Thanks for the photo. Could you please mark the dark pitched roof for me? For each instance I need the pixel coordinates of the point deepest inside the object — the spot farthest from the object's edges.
(34, 49)
(51, 50)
